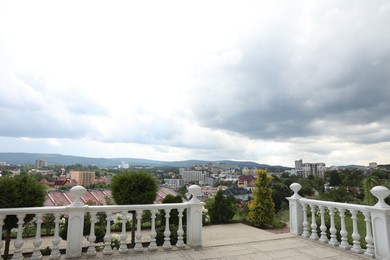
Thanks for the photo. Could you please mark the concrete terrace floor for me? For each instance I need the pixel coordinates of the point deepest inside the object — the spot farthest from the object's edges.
(239, 241)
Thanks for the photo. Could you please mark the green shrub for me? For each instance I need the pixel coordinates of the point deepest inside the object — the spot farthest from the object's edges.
(174, 214)
(133, 188)
(220, 208)
(173, 236)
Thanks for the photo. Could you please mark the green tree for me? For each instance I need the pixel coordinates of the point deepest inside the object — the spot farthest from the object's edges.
(182, 191)
(221, 208)
(368, 183)
(133, 188)
(262, 208)
(279, 194)
(174, 214)
(334, 178)
(16, 192)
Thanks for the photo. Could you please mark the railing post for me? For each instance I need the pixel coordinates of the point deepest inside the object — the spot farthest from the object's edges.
(296, 210)
(381, 223)
(194, 218)
(75, 223)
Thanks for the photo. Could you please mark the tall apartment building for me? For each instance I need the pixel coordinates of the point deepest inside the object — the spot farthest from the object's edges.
(372, 165)
(174, 183)
(83, 178)
(315, 169)
(40, 163)
(200, 177)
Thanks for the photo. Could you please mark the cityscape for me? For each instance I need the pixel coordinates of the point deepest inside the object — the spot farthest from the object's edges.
(234, 178)
(231, 129)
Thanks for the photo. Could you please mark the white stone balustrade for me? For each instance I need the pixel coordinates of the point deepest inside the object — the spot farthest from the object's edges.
(376, 219)
(78, 209)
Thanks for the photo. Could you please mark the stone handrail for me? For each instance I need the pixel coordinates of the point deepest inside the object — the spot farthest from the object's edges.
(76, 211)
(376, 220)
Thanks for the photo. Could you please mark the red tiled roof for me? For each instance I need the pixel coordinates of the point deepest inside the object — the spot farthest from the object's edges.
(97, 197)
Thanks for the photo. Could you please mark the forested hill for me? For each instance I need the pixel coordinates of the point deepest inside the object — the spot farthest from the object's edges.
(59, 159)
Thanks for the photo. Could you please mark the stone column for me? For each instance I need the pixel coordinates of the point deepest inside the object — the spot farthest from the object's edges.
(381, 223)
(296, 211)
(76, 212)
(194, 218)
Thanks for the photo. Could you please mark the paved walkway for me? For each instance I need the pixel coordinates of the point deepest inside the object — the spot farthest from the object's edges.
(239, 241)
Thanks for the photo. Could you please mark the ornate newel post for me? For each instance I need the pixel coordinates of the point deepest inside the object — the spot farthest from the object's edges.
(194, 218)
(381, 223)
(75, 223)
(296, 211)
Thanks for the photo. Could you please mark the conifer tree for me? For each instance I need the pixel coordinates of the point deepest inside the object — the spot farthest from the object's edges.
(220, 208)
(262, 208)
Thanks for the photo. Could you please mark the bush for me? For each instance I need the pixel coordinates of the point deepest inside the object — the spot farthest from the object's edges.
(173, 228)
(220, 208)
(133, 188)
(19, 191)
(100, 227)
(174, 214)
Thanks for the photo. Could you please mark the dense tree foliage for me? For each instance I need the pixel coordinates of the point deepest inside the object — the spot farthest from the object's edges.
(262, 208)
(367, 184)
(174, 214)
(279, 193)
(134, 188)
(19, 191)
(221, 209)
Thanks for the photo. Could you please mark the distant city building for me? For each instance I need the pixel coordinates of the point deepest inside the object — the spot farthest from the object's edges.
(298, 164)
(372, 165)
(83, 178)
(299, 167)
(124, 165)
(200, 177)
(174, 183)
(40, 163)
(315, 169)
(247, 182)
(249, 171)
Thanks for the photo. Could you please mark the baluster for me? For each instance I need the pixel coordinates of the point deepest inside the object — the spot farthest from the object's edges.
(180, 231)
(92, 237)
(369, 239)
(18, 244)
(314, 234)
(333, 237)
(355, 234)
(343, 232)
(123, 247)
(38, 241)
(323, 228)
(55, 251)
(167, 233)
(153, 245)
(306, 230)
(2, 217)
(107, 250)
(138, 234)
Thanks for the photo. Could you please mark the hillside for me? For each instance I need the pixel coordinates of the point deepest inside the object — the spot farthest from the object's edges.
(59, 159)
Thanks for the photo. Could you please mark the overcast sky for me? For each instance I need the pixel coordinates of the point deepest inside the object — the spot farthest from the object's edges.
(266, 81)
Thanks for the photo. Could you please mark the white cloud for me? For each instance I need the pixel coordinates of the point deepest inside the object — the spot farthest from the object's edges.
(257, 80)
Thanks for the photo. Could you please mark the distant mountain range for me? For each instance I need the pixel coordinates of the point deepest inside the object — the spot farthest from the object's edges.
(59, 159)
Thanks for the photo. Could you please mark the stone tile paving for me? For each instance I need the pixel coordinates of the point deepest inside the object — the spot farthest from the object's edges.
(253, 250)
(239, 241)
